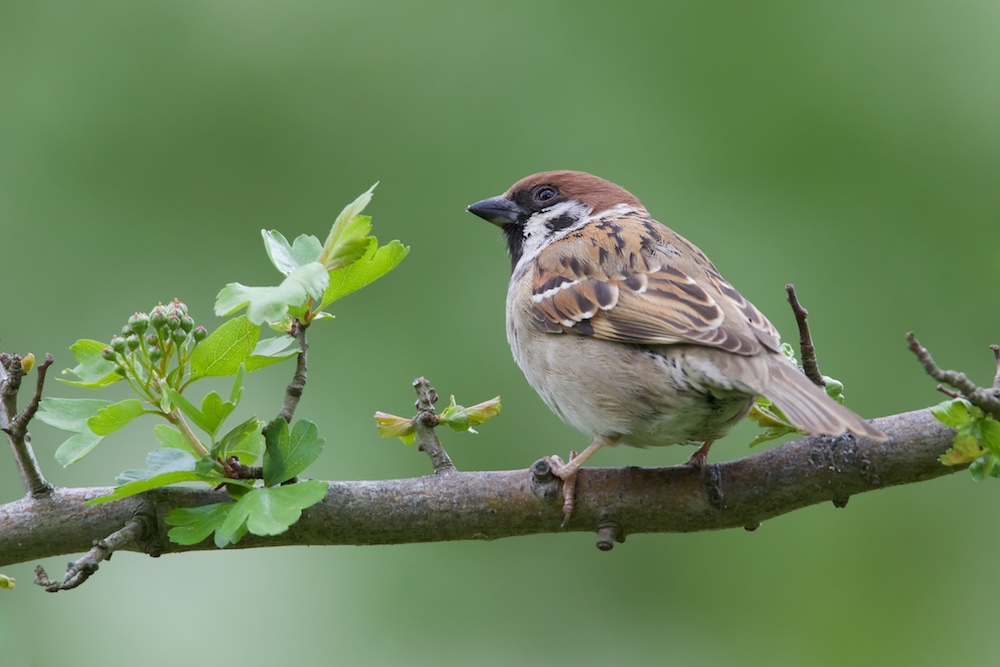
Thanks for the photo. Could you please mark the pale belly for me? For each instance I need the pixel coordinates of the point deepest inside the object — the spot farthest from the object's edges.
(631, 393)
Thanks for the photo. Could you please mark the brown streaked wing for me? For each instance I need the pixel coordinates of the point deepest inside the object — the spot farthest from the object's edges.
(639, 294)
(761, 326)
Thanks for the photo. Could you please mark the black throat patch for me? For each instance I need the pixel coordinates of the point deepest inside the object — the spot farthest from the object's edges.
(514, 233)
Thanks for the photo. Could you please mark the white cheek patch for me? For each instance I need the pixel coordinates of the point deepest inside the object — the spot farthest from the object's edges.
(537, 233)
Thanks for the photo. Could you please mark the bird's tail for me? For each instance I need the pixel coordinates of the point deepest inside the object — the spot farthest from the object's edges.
(805, 404)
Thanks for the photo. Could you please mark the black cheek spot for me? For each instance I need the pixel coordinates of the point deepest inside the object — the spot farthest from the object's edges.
(561, 223)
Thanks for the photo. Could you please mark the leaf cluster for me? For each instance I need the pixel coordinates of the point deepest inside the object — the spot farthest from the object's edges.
(267, 510)
(316, 274)
(160, 354)
(977, 438)
(457, 417)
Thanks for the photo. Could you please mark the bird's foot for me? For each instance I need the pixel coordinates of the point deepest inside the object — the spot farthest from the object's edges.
(566, 471)
(699, 458)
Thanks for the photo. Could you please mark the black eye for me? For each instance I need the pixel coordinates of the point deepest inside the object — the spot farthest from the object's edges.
(544, 193)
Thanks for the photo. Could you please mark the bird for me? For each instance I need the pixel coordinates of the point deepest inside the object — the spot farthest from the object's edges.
(628, 332)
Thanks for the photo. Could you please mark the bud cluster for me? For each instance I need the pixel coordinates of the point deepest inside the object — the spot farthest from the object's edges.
(148, 343)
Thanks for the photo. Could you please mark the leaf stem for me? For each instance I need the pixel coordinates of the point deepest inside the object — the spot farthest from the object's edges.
(177, 419)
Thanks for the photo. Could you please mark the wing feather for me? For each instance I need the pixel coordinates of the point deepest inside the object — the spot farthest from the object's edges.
(628, 279)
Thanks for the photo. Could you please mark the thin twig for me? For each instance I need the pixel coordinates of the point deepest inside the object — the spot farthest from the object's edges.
(988, 400)
(298, 384)
(996, 378)
(951, 393)
(424, 424)
(136, 529)
(16, 425)
(810, 366)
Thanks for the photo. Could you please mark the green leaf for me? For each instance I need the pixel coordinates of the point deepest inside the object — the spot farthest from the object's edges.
(257, 363)
(393, 426)
(954, 412)
(271, 351)
(270, 304)
(375, 263)
(171, 437)
(287, 258)
(990, 431)
(190, 411)
(789, 352)
(94, 371)
(982, 467)
(159, 461)
(69, 414)
(76, 447)
(215, 411)
(286, 455)
(245, 441)
(461, 418)
(965, 448)
(142, 485)
(236, 393)
(194, 524)
(834, 389)
(208, 465)
(348, 236)
(769, 417)
(225, 350)
(270, 511)
(279, 346)
(113, 417)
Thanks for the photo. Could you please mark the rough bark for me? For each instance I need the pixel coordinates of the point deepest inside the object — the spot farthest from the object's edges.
(490, 505)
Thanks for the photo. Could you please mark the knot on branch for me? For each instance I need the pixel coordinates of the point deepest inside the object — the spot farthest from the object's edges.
(609, 531)
(544, 483)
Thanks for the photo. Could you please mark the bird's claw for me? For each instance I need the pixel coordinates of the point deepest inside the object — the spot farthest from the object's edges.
(565, 471)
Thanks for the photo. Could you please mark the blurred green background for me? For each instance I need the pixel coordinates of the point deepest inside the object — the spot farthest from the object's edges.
(852, 148)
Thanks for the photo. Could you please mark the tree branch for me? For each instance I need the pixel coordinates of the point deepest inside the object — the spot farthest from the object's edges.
(136, 528)
(424, 424)
(16, 425)
(298, 383)
(490, 505)
(988, 400)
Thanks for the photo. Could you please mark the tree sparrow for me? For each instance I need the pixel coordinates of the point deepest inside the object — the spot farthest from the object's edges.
(629, 333)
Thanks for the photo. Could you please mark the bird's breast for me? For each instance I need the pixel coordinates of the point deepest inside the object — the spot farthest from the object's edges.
(642, 395)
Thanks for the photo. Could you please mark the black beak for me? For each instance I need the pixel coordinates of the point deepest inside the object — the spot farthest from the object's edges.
(498, 210)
